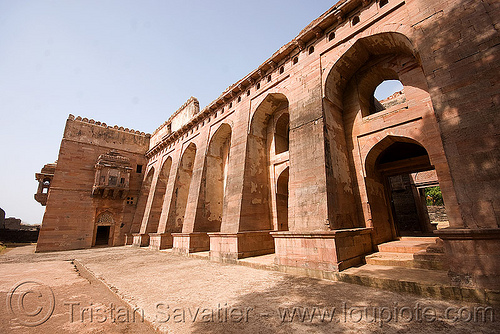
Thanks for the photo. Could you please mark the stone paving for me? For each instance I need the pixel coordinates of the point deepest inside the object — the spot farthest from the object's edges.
(181, 294)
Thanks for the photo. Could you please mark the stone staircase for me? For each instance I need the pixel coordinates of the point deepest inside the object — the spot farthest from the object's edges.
(410, 252)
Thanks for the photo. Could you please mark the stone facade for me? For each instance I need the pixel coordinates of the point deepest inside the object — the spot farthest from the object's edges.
(296, 157)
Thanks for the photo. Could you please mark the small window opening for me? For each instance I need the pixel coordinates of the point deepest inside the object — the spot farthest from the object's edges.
(268, 78)
(311, 49)
(45, 190)
(258, 85)
(248, 93)
(122, 180)
(355, 20)
(282, 69)
(295, 60)
(382, 3)
(139, 169)
(331, 36)
(231, 105)
(239, 99)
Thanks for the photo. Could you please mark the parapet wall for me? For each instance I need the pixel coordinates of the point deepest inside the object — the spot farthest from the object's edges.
(178, 119)
(88, 131)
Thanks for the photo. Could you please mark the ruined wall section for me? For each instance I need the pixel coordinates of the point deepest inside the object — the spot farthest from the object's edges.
(175, 122)
(70, 218)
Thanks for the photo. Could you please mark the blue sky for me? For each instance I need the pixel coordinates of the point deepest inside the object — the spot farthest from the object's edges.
(130, 63)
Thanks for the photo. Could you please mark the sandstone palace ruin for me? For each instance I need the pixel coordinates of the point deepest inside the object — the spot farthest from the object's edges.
(299, 159)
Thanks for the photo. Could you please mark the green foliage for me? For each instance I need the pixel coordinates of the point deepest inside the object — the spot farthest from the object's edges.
(433, 196)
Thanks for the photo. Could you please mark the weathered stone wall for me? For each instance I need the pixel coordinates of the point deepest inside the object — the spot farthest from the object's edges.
(70, 217)
(203, 190)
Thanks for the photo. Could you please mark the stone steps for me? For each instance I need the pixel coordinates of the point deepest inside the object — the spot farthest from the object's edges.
(390, 259)
(405, 246)
(422, 282)
(410, 252)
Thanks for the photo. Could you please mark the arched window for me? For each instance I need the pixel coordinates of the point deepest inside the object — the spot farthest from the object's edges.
(387, 94)
(281, 136)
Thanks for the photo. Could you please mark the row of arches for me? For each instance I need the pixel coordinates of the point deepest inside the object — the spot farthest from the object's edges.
(360, 147)
(266, 180)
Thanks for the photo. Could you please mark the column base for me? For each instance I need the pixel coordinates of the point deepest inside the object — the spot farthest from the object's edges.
(159, 241)
(140, 240)
(472, 256)
(327, 251)
(233, 246)
(190, 242)
(129, 239)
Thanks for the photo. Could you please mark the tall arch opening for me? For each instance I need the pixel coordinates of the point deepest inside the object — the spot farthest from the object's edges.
(142, 201)
(158, 198)
(282, 200)
(267, 156)
(211, 201)
(281, 133)
(181, 189)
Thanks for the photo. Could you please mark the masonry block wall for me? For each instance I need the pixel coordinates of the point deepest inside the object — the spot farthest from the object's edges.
(70, 219)
(295, 157)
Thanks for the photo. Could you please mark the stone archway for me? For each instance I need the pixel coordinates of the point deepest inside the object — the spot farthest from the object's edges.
(265, 139)
(282, 200)
(210, 208)
(175, 220)
(395, 203)
(104, 228)
(150, 223)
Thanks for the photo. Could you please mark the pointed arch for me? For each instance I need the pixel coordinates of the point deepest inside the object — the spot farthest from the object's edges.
(142, 201)
(258, 206)
(176, 216)
(158, 197)
(210, 208)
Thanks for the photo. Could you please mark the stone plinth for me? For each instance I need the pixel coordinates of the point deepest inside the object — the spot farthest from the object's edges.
(159, 241)
(190, 242)
(129, 239)
(472, 256)
(140, 240)
(326, 251)
(233, 246)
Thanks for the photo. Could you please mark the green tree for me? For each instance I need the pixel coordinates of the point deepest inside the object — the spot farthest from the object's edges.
(433, 196)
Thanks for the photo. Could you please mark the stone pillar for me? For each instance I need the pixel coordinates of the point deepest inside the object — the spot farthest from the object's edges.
(190, 242)
(328, 251)
(158, 241)
(140, 240)
(472, 256)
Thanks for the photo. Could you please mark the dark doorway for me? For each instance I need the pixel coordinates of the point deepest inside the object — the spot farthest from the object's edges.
(399, 164)
(404, 207)
(102, 236)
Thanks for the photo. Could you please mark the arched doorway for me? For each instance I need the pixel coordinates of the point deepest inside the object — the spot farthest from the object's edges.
(103, 235)
(395, 191)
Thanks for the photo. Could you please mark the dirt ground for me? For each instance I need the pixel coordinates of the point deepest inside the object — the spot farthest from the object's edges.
(178, 294)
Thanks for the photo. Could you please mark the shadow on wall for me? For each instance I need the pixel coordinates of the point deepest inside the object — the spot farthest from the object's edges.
(467, 102)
